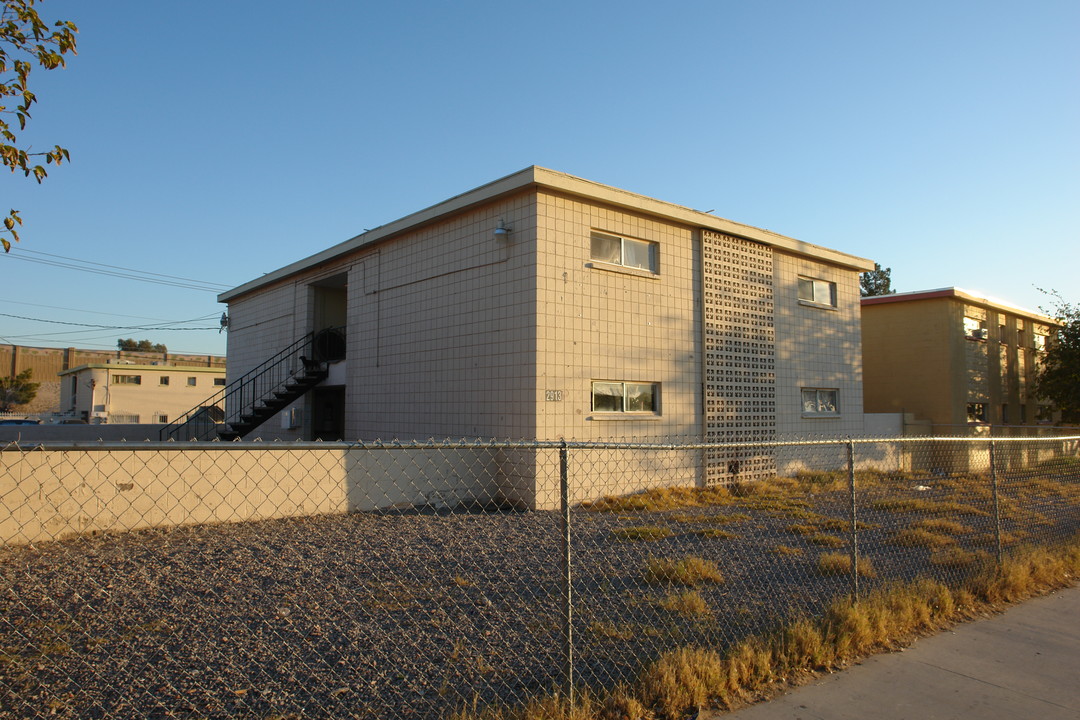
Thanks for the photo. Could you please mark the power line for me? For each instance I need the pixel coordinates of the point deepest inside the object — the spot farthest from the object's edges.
(81, 310)
(115, 327)
(118, 267)
(157, 279)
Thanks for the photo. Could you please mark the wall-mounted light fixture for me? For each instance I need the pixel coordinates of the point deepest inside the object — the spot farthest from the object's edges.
(502, 232)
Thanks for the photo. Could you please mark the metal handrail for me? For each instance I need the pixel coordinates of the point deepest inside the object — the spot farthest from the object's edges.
(241, 395)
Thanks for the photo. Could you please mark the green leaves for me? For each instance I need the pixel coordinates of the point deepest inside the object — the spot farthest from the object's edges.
(26, 40)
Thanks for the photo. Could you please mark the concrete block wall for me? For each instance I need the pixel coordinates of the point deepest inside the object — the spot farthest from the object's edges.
(817, 347)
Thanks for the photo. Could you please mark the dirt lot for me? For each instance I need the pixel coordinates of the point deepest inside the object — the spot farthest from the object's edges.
(412, 614)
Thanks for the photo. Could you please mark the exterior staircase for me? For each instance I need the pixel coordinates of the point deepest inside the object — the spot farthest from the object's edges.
(250, 400)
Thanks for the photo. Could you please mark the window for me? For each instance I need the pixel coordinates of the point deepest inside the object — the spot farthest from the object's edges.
(1023, 414)
(820, 401)
(123, 419)
(974, 329)
(819, 292)
(1001, 335)
(976, 412)
(625, 251)
(1005, 414)
(1040, 342)
(191, 382)
(127, 379)
(624, 397)
(163, 419)
(163, 380)
(219, 381)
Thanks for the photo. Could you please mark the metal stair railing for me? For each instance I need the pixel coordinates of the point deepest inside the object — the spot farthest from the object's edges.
(241, 396)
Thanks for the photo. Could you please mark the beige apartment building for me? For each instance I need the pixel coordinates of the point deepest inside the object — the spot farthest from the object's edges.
(545, 306)
(126, 393)
(953, 358)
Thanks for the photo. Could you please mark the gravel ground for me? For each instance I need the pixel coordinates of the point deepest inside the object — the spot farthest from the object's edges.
(411, 614)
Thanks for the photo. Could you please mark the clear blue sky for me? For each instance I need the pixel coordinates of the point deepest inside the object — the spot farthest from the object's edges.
(222, 140)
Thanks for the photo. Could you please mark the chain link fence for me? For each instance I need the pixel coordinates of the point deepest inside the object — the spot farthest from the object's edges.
(272, 580)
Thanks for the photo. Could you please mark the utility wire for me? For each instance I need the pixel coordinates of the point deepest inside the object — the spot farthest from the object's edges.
(114, 327)
(142, 276)
(4, 301)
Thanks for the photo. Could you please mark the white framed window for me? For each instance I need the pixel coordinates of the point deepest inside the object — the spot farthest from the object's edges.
(163, 419)
(821, 402)
(818, 292)
(625, 397)
(976, 412)
(974, 328)
(127, 379)
(191, 382)
(627, 252)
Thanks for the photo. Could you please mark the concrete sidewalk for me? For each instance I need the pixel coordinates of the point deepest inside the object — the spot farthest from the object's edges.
(1022, 664)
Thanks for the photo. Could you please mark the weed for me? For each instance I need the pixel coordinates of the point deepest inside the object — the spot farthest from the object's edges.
(840, 564)
(955, 557)
(688, 604)
(826, 540)
(462, 581)
(658, 499)
(786, 550)
(610, 630)
(918, 537)
(930, 507)
(641, 533)
(702, 518)
(714, 533)
(942, 525)
(690, 570)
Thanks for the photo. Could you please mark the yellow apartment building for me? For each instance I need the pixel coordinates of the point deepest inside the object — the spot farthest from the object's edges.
(127, 393)
(954, 358)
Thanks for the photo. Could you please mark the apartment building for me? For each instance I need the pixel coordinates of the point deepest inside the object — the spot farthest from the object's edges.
(127, 393)
(546, 306)
(954, 358)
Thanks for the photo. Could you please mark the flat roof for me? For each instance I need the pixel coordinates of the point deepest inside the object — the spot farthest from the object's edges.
(127, 368)
(969, 296)
(541, 178)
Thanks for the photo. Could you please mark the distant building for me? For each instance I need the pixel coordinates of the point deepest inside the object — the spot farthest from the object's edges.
(120, 393)
(953, 358)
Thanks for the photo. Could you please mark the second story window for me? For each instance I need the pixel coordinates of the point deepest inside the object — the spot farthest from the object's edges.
(627, 252)
(974, 329)
(818, 292)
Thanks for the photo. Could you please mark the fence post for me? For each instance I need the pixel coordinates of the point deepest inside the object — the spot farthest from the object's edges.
(854, 521)
(997, 507)
(567, 579)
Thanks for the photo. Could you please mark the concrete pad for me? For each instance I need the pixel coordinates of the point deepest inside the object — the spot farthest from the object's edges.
(1024, 663)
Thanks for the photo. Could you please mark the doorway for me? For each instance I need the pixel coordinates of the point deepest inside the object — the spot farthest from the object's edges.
(328, 413)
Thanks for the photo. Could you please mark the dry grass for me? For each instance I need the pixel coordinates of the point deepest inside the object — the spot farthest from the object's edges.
(610, 630)
(687, 604)
(684, 679)
(929, 507)
(714, 533)
(955, 557)
(825, 540)
(690, 570)
(942, 525)
(702, 518)
(840, 564)
(918, 537)
(641, 533)
(660, 499)
(786, 550)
